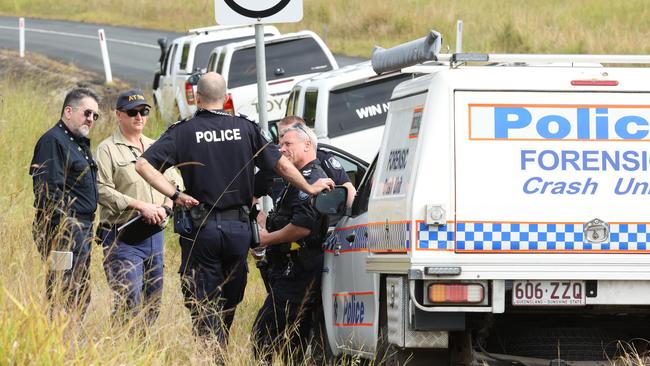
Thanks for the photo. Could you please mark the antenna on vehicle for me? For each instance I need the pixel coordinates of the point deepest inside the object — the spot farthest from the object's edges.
(407, 54)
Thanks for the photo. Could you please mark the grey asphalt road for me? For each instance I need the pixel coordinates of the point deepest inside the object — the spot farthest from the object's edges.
(133, 52)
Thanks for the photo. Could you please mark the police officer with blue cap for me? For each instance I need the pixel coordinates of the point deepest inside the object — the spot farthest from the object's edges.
(216, 154)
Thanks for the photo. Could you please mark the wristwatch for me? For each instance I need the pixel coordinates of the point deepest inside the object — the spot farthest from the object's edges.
(175, 195)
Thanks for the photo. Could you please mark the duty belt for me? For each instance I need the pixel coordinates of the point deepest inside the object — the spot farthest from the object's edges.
(202, 210)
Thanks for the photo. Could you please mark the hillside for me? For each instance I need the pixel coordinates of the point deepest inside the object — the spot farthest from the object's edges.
(353, 27)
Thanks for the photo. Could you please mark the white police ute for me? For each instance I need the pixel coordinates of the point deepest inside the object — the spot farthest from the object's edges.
(347, 108)
(505, 219)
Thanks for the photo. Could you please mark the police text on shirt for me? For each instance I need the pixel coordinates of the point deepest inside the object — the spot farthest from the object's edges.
(218, 136)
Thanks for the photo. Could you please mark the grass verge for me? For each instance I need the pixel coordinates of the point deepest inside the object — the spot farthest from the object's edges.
(354, 27)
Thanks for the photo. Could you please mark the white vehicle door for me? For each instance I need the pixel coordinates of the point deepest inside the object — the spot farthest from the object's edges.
(348, 290)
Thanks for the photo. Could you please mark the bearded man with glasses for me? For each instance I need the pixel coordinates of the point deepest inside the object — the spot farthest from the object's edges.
(133, 254)
(64, 176)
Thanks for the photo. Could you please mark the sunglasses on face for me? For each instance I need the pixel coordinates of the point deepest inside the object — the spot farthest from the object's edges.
(134, 112)
(90, 112)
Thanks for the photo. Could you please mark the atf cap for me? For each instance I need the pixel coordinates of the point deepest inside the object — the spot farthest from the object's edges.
(131, 99)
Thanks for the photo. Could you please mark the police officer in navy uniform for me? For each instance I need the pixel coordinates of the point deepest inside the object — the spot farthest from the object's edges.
(269, 183)
(216, 154)
(295, 257)
(65, 175)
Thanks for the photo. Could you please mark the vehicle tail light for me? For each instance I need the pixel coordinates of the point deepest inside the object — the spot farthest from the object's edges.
(228, 105)
(189, 93)
(456, 293)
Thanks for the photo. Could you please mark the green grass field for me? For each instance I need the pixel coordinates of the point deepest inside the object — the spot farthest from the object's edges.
(29, 105)
(354, 27)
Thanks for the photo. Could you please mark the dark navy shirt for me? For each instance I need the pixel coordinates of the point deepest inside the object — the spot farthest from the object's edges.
(297, 203)
(64, 173)
(268, 183)
(216, 154)
(332, 167)
(297, 206)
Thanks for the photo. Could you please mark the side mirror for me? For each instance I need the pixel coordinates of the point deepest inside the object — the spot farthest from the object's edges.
(332, 203)
(194, 78)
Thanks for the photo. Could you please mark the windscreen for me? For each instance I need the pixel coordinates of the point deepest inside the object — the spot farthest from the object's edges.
(283, 59)
(202, 52)
(361, 106)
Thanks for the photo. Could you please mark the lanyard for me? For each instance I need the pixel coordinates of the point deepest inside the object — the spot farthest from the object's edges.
(133, 152)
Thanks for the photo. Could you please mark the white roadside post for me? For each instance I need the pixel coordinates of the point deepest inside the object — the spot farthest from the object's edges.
(258, 12)
(21, 36)
(459, 36)
(107, 62)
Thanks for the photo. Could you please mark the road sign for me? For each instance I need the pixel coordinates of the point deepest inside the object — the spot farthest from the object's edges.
(240, 12)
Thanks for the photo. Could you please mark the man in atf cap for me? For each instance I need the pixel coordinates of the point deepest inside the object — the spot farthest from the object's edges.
(133, 256)
(65, 192)
(218, 174)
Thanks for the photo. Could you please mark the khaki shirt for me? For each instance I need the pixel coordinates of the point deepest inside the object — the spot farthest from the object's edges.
(119, 184)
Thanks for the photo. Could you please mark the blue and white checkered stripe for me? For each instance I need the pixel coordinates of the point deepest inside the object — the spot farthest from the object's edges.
(546, 237)
(435, 237)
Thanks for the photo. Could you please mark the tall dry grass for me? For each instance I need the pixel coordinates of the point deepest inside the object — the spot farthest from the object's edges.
(30, 104)
(353, 27)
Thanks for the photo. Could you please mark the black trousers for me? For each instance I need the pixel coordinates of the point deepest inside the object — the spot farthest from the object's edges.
(285, 320)
(69, 288)
(213, 274)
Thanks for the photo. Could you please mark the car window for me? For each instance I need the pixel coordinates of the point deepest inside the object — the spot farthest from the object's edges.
(354, 170)
(283, 59)
(211, 61)
(203, 50)
(360, 204)
(309, 112)
(360, 107)
(220, 62)
(291, 102)
(184, 55)
(172, 59)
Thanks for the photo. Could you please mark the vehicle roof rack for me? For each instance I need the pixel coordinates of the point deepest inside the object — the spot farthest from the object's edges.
(539, 58)
(214, 28)
(428, 48)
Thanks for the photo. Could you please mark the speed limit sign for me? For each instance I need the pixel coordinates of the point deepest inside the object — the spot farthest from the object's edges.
(240, 12)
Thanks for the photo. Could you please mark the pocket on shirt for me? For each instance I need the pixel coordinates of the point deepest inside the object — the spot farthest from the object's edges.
(125, 172)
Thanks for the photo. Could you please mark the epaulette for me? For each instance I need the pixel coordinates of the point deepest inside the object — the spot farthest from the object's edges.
(178, 123)
(244, 117)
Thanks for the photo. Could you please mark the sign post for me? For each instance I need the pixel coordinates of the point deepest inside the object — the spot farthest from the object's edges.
(260, 60)
(258, 12)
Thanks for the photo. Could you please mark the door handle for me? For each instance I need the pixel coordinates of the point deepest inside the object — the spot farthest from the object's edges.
(337, 250)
